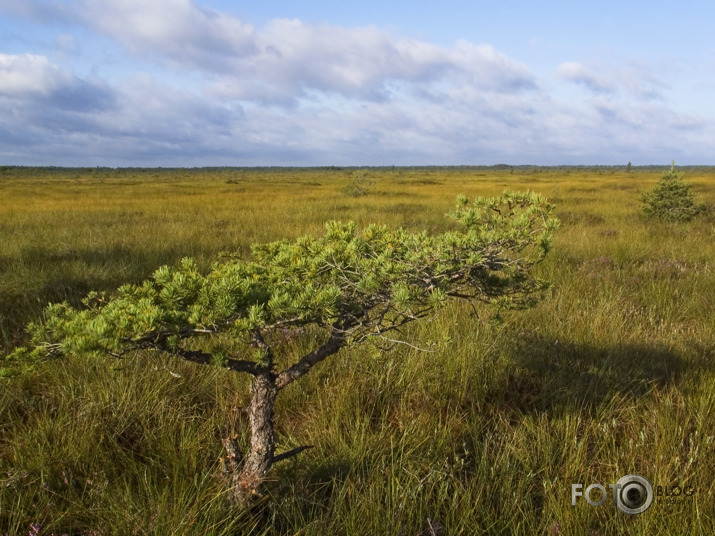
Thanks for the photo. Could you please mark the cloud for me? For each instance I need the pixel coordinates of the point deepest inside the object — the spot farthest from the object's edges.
(289, 59)
(30, 77)
(632, 80)
(139, 121)
(152, 110)
(147, 121)
(45, 11)
(175, 29)
(575, 72)
(294, 57)
(638, 79)
(28, 73)
(626, 100)
(223, 92)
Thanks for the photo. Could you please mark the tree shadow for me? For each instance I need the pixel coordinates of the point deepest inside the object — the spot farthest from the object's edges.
(562, 376)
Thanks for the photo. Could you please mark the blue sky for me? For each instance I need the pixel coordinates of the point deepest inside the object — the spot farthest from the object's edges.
(215, 82)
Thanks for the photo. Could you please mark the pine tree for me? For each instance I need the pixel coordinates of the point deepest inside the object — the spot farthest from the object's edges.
(671, 199)
(345, 288)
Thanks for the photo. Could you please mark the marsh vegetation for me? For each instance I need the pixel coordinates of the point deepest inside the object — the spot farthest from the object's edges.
(612, 373)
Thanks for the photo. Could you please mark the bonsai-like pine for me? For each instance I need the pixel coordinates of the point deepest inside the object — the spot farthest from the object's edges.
(345, 288)
(671, 199)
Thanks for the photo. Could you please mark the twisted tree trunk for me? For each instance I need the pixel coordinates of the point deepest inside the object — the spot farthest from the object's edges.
(245, 475)
(245, 478)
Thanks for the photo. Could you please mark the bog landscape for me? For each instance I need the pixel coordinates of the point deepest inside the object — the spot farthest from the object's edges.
(580, 350)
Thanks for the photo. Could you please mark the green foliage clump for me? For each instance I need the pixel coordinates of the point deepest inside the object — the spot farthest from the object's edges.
(358, 185)
(356, 284)
(671, 199)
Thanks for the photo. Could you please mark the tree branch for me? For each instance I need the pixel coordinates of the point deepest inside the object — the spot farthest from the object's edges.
(330, 347)
(204, 358)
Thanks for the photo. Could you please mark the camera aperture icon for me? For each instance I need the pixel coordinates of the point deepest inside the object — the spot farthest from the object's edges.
(633, 494)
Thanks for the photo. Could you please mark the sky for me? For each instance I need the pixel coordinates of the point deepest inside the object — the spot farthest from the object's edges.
(182, 83)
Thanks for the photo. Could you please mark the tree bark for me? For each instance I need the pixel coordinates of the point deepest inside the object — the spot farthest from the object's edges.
(246, 475)
(245, 482)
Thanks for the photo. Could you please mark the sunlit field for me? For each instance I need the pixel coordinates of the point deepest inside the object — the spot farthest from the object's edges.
(613, 373)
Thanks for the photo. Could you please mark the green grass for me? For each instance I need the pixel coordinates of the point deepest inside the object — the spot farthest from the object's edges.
(612, 374)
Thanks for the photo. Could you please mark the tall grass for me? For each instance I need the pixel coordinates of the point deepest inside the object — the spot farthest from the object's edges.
(611, 374)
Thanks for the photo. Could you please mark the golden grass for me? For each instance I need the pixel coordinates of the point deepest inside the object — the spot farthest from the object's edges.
(611, 374)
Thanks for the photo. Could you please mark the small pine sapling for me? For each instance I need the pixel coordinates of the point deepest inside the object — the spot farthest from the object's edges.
(671, 199)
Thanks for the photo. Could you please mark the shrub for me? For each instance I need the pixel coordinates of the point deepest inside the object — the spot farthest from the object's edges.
(671, 199)
(358, 185)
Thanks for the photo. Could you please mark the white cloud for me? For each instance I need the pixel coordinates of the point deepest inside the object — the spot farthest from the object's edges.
(47, 11)
(576, 72)
(638, 79)
(151, 110)
(289, 58)
(176, 29)
(630, 80)
(35, 82)
(29, 73)
(293, 92)
(295, 59)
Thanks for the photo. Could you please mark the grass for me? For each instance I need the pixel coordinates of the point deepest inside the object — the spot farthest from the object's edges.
(611, 374)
